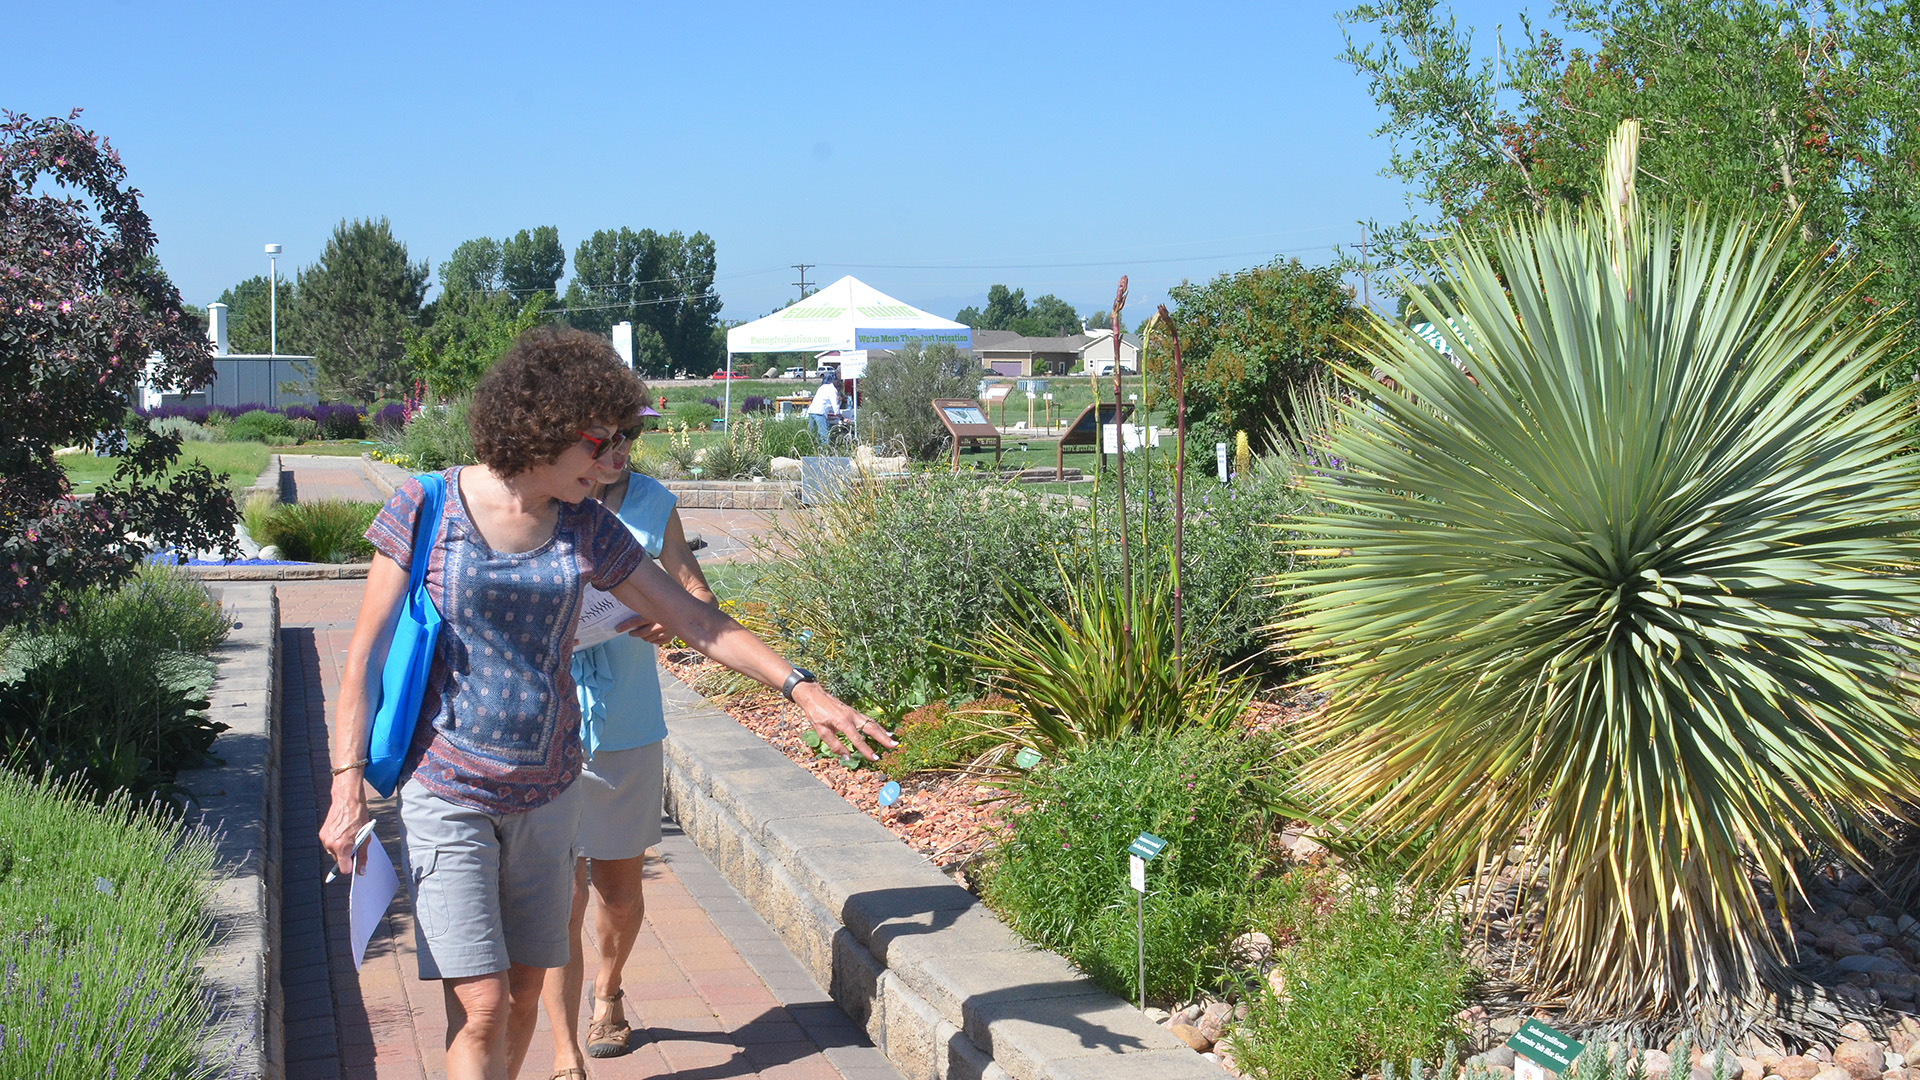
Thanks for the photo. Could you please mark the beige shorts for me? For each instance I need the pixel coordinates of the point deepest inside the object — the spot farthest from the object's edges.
(488, 889)
(621, 803)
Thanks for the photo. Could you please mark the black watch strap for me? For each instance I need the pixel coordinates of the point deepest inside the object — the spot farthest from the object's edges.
(794, 678)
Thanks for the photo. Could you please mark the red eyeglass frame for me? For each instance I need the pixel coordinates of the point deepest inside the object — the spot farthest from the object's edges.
(602, 446)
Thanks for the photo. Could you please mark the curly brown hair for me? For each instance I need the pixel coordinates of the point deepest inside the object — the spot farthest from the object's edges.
(554, 383)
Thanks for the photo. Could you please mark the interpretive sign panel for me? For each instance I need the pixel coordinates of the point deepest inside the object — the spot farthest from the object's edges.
(1085, 430)
(967, 421)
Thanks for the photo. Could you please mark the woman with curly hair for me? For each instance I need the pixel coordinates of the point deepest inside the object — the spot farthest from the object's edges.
(487, 795)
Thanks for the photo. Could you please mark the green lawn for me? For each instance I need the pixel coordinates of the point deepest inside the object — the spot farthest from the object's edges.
(735, 580)
(240, 461)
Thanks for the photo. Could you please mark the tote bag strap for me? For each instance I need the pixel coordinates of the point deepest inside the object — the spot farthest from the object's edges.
(426, 523)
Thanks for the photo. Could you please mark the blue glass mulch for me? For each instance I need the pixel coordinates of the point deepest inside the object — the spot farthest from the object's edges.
(169, 558)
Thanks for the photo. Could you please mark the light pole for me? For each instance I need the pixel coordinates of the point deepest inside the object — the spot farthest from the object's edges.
(273, 299)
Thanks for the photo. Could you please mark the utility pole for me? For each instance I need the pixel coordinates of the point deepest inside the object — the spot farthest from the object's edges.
(803, 268)
(1366, 294)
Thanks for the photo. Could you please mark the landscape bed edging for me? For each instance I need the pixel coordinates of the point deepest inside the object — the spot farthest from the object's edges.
(689, 494)
(943, 988)
(240, 801)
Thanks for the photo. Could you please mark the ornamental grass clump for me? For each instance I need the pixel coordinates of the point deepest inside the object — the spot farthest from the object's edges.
(1619, 598)
(1099, 664)
(323, 531)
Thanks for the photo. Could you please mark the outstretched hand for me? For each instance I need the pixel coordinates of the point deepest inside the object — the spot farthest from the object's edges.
(833, 720)
(646, 629)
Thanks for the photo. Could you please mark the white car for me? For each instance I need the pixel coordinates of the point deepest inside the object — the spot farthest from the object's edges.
(1105, 367)
(793, 373)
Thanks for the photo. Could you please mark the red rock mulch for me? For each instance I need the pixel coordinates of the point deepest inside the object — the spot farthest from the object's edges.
(947, 818)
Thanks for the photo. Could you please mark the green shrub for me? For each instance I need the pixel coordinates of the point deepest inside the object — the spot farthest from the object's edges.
(1373, 973)
(259, 425)
(102, 924)
(896, 397)
(303, 428)
(695, 414)
(1060, 877)
(436, 437)
(1232, 552)
(939, 737)
(327, 531)
(185, 428)
(865, 584)
(115, 692)
(790, 438)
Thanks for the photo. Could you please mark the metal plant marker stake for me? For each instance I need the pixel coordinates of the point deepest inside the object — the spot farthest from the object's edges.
(1120, 473)
(1139, 853)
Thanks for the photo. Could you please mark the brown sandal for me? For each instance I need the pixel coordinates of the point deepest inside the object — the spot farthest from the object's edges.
(608, 1038)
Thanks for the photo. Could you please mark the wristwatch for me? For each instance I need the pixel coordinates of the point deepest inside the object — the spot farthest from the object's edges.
(795, 678)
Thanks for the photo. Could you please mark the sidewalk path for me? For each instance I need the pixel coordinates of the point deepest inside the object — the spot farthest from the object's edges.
(312, 477)
(711, 992)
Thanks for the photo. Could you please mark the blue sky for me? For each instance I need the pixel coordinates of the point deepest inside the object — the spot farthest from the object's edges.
(929, 149)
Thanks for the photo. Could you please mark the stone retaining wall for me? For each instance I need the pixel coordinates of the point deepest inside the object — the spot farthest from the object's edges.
(240, 800)
(944, 989)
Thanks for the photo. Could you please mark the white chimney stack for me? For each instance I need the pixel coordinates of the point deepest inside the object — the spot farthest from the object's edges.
(217, 328)
(623, 341)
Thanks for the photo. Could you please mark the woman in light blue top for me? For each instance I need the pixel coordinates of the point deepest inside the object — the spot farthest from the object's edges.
(621, 726)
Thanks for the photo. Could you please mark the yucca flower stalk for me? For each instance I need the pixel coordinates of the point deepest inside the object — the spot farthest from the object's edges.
(1623, 601)
(1120, 461)
(1179, 471)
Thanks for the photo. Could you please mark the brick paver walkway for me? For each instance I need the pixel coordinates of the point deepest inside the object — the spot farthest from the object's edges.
(312, 477)
(711, 992)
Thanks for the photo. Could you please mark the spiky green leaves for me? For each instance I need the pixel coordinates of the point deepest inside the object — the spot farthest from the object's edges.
(1624, 591)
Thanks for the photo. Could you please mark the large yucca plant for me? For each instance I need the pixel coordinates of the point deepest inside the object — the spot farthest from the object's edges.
(1622, 597)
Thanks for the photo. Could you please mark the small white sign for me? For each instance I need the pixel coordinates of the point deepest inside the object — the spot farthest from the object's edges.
(1137, 867)
(1527, 1069)
(1220, 458)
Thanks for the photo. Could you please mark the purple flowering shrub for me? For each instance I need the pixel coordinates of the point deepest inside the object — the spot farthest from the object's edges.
(757, 403)
(84, 307)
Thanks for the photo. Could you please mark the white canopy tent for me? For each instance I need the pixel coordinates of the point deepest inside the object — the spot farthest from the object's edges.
(849, 315)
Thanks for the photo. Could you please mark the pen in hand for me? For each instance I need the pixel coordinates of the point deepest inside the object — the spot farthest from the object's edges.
(359, 841)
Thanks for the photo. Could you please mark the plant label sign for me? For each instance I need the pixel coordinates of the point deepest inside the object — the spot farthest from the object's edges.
(1544, 1047)
(1026, 758)
(1137, 873)
(1146, 846)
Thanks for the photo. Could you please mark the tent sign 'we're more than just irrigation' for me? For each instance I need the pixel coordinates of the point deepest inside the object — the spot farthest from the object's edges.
(1538, 1048)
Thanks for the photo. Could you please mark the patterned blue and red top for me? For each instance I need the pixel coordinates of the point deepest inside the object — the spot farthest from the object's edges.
(501, 723)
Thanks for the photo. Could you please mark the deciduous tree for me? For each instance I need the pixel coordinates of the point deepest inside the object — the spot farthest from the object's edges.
(1250, 339)
(659, 280)
(86, 314)
(532, 261)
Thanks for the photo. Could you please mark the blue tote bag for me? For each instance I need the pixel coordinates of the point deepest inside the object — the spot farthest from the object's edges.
(403, 679)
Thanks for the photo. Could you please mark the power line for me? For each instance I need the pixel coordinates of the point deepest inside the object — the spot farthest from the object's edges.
(1078, 265)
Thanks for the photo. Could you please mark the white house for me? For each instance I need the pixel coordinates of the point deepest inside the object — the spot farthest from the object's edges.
(1008, 354)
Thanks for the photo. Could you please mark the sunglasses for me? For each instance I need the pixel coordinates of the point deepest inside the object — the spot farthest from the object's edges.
(604, 445)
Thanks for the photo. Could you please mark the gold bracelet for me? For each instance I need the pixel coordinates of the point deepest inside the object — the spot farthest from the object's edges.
(361, 764)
